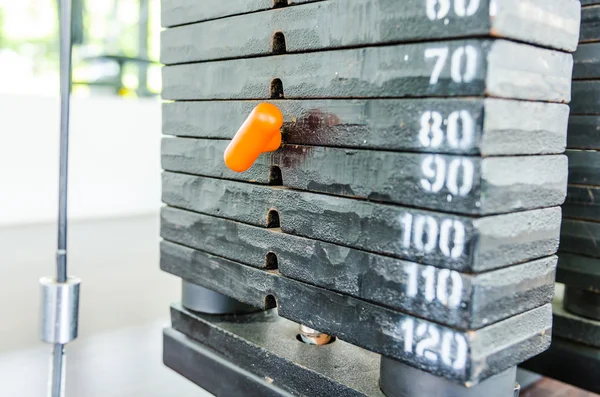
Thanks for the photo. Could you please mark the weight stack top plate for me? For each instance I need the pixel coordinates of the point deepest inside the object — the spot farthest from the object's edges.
(413, 208)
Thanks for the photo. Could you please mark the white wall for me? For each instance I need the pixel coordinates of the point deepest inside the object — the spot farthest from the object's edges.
(114, 158)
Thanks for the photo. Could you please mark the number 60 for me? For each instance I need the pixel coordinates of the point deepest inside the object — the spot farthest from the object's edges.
(462, 8)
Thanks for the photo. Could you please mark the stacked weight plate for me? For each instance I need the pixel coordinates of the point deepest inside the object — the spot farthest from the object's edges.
(412, 211)
(576, 347)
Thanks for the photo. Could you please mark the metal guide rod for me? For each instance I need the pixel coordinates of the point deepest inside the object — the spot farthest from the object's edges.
(60, 295)
(65, 94)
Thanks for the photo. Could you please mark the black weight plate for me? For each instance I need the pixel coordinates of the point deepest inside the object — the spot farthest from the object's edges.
(466, 301)
(586, 97)
(584, 303)
(205, 156)
(578, 271)
(590, 24)
(584, 167)
(493, 126)
(474, 243)
(582, 203)
(478, 186)
(180, 12)
(462, 356)
(473, 67)
(580, 237)
(340, 23)
(584, 132)
(586, 61)
(457, 184)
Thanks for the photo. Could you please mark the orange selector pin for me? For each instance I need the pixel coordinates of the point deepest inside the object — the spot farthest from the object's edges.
(260, 133)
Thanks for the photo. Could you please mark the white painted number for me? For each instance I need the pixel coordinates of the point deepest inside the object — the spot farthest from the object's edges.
(426, 233)
(433, 167)
(429, 275)
(431, 346)
(460, 166)
(466, 55)
(454, 298)
(452, 228)
(431, 134)
(439, 9)
(461, 350)
(436, 175)
(442, 55)
(464, 139)
(423, 233)
(459, 131)
(426, 346)
(407, 327)
(436, 283)
(465, 8)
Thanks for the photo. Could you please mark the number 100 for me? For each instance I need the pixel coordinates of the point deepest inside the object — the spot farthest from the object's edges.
(425, 235)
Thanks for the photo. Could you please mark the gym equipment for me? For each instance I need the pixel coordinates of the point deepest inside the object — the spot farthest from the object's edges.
(407, 227)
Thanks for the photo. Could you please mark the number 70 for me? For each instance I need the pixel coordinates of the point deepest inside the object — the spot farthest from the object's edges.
(467, 53)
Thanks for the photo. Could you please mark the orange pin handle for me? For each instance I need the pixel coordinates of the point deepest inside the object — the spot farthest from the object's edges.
(259, 133)
(274, 143)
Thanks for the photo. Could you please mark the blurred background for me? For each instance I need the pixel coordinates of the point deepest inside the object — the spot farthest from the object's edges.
(114, 197)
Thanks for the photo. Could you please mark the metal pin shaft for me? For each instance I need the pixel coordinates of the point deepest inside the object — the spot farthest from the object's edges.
(313, 337)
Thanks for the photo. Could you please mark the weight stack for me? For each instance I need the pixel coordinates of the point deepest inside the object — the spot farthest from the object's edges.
(575, 350)
(412, 211)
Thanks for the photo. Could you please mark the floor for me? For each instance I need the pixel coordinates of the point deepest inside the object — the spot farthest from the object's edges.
(124, 304)
(121, 363)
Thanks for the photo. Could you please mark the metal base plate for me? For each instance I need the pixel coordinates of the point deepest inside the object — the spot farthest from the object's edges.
(208, 369)
(266, 345)
(259, 355)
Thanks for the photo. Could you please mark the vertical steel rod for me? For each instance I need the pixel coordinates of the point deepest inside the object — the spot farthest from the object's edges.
(143, 26)
(57, 371)
(65, 93)
(57, 387)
